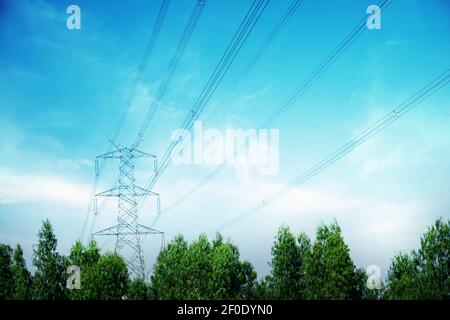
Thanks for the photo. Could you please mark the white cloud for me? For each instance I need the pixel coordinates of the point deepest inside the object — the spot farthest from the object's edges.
(407, 143)
(301, 201)
(375, 227)
(385, 223)
(236, 195)
(33, 188)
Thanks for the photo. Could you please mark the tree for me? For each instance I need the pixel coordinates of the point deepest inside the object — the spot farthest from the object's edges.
(138, 290)
(289, 256)
(261, 290)
(207, 269)
(107, 279)
(247, 281)
(86, 258)
(229, 278)
(6, 284)
(198, 267)
(329, 271)
(21, 277)
(49, 279)
(103, 277)
(423, 274)
(202, 270)
(434, 261)
(403, 278)
(169, 278)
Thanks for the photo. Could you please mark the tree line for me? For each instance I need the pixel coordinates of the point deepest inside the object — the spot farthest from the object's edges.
(300, 268)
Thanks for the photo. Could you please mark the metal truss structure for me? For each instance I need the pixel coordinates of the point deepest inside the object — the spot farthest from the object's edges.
(128, 231)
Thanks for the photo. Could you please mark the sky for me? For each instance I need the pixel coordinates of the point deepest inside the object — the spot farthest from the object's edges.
(63, 92)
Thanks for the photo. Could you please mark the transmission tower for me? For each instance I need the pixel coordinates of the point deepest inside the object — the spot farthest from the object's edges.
(128, 230)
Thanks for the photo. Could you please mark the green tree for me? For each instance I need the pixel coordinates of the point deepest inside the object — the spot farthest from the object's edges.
(423, 274)
(403, 278)
(49, 279)
(434, 261)
(202, 270)
(170, 276)
(261, 290)
(107, 279)
(21, 277)
(229, 277)
(329, 271)
(138, 290)
(198, 268)
(6, 284)
(86, 258)
(247, 281)
(289, 255)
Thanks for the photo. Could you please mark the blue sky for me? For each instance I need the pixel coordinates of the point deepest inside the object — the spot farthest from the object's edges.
(63, 91)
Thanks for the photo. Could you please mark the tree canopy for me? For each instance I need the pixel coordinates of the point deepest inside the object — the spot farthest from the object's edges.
(5, 272)
(330, 272)
(49, 278)
(289, 256)
(103, 277)
(300, 268)
(21, 277)
(201, 270)
(423, 274)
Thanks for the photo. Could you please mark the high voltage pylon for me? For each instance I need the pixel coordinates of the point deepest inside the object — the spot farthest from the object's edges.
(128, 230)
(130, 99)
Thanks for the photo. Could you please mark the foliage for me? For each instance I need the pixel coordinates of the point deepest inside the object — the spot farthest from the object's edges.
(262, 290)
(289, 255)
(86, 258)
(108, 279)
(202, 270)
(138, 290)
(329, 270)
(21, 277)
(434, 262)
(423, 274)
(49, 279)
(403, 278)
(5, 272)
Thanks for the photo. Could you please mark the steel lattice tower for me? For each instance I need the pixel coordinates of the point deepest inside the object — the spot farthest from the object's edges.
(128, 230)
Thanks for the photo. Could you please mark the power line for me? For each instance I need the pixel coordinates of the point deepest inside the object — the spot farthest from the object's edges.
(298, 92)
(189, 29)
(132, 94)
(260, 51)
(168, 75)
(273, 34)
(438, 83)
(235, 45)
